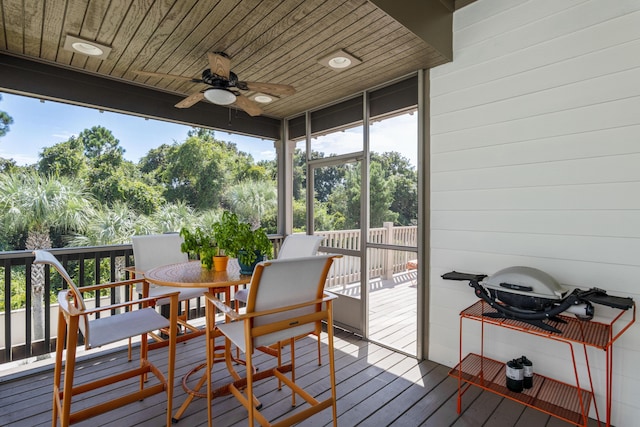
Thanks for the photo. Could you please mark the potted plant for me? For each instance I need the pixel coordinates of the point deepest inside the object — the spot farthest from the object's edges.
(254, 246)
(201, 244)
(225, 231)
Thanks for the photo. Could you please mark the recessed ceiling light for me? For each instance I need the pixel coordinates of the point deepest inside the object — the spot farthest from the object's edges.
(339, 60)
(86, 47)
(263, 98)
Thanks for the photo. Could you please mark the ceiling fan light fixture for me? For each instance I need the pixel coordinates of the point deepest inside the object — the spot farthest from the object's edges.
(339, 60)
(219, 96)
(86, 47)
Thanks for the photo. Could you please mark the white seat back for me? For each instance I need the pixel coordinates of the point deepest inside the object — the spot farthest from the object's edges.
(299, 245)
(284, 282)
(153, 250)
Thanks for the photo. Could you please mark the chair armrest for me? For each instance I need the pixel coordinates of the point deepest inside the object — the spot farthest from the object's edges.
(281, 309)
(228, 311)
(328, 296)
(73, 311)
(134, 270)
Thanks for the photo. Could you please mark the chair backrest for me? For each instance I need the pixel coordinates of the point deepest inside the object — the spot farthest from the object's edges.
(153, 250)
(299, 245)
(44, 257)
(284, 282)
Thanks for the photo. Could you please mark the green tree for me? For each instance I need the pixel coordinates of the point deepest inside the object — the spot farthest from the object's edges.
(172, 217)
(5, 121)
(194, 174)
(198, 170)
(64, 159)
(404, 181)
(96, 157)
(7, 165)
(125, 184)
(100, 145)
(110, 226)
(252, 201)
(39, 205)
(380, 197)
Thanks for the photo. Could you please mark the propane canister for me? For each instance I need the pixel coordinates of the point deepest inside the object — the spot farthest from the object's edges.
(527, 366)
(515, 375)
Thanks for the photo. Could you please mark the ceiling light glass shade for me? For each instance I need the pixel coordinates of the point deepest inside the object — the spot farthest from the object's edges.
(339, 62)
(220, 96)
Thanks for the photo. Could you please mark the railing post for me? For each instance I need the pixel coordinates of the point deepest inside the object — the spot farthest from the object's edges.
(388, 255)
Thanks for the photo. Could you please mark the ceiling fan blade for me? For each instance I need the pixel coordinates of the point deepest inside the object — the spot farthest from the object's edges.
(166, 76)
(248, 105)
(219, 64)
(270, 88)
(190, 100)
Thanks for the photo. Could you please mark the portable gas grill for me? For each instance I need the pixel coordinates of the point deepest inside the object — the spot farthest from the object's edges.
(533, 296)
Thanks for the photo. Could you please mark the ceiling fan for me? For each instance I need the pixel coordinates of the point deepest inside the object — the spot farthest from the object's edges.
(224, 86)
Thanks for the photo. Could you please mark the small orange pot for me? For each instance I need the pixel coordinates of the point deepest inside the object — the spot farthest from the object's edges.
(220, 262)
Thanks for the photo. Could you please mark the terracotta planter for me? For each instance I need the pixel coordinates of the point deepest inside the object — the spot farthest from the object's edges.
(220, 262)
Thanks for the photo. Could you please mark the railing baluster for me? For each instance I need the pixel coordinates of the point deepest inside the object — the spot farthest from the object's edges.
(7, 309)
(28, 313)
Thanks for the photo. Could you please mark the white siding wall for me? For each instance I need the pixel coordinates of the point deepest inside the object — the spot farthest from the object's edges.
(535, 160)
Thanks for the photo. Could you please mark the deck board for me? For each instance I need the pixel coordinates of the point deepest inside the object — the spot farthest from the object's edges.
(376, 387)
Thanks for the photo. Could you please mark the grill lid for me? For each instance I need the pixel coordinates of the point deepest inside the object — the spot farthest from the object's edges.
(526, 281)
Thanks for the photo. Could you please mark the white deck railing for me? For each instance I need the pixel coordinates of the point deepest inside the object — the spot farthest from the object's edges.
(382, 262)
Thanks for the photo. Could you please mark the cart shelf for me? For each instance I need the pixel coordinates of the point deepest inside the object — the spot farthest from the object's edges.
(553, 397)
(565, 401)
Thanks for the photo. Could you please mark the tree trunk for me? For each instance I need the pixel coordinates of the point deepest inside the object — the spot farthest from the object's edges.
(37, 240)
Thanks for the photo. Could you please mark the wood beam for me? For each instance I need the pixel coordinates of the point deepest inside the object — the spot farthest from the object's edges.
(431, 20)
(45, 81)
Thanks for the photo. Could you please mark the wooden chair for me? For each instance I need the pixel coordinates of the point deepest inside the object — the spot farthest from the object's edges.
(294, 246)
(286, 301)
(155, 250)
(74, 316)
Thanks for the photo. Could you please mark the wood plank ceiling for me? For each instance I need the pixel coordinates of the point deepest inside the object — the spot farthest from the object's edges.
(276, 41)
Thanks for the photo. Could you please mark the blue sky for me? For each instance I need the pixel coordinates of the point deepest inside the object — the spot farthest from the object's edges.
(39, 124)
(42, 124)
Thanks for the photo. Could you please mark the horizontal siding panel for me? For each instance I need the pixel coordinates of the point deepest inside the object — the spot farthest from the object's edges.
(510, 18)
(610, 250)
(604, 89)
(619, 141)
(576, 197)
(578, 31)
(473, 15)
(603, 223)
(591, 118)
(600, 170)
(574, 69)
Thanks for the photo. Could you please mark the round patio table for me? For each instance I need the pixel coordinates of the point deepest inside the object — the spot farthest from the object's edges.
(192, 275)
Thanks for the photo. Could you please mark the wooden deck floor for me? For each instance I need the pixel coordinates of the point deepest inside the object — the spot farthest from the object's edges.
(393, 312)
(376, 387)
